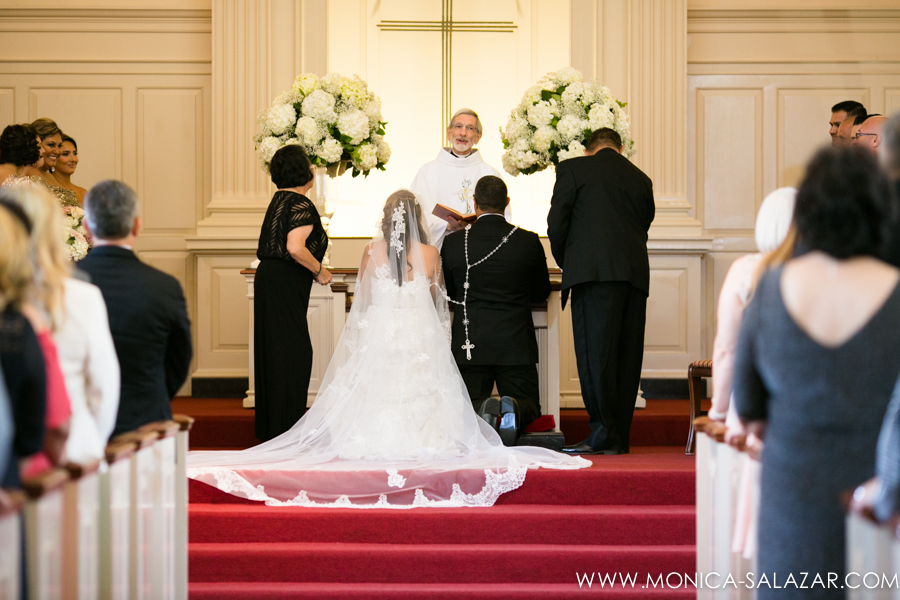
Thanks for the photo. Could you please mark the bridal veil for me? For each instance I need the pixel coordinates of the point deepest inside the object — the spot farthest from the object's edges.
(392, 425)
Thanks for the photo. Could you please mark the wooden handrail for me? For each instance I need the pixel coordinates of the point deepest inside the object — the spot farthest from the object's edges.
(162, 429)
(48, 481)
(141, 439)
(713, 429)
(79, 470)
(119, 450)
(15, 500)
(184, 422)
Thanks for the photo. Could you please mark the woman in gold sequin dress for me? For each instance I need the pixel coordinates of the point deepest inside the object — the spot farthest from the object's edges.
(51, 138)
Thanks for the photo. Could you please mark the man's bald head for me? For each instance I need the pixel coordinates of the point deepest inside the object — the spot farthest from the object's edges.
(869, 134)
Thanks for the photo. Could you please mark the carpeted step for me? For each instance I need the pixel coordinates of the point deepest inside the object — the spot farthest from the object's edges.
(425, 591)
(633, 479)
(601, 525)
(429, 563)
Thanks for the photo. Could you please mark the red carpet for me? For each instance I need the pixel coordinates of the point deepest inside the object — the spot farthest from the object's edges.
(630, 514)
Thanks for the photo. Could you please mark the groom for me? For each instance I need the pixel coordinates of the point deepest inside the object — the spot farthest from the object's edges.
(498, 343)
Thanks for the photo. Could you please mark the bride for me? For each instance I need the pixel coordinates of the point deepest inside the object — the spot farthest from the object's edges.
(392, 425)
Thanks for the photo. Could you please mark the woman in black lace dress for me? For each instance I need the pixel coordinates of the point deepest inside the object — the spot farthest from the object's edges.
(292, 244)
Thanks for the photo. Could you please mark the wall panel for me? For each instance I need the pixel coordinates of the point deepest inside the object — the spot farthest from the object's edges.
(170, 159)
(729, 165)
(222, 318)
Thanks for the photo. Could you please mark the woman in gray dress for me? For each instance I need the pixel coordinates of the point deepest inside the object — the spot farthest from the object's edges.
(816, 362)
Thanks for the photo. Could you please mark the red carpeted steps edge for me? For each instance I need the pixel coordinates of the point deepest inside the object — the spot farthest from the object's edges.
(548, 524)
(431, 591)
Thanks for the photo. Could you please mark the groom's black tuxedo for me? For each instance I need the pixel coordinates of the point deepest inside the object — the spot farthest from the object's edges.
(501, 292)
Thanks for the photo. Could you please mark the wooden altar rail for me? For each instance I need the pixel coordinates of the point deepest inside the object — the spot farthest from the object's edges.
(108, 529)
(719, 469)
(338, 297)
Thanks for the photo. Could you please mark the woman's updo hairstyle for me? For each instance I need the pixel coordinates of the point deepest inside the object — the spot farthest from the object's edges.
(844, 206)
(290, 167)
(45, 127)
(19, 146)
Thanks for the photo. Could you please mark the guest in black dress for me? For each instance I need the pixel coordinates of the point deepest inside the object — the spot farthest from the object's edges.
(20, 353)
(816, 362)
(292, 244)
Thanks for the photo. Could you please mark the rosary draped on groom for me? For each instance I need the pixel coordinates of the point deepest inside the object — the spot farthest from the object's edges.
(494, 272)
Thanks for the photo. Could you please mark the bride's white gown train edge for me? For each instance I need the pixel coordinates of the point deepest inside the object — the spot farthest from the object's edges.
(392, 425)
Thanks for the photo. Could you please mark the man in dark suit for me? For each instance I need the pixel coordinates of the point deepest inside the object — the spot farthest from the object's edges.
(498, 343)
(147, 314)
(600, 213)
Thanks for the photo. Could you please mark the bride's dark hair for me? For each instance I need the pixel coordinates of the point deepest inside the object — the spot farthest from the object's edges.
(406, 201)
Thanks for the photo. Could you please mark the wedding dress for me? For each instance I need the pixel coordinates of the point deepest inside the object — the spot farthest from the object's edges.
(392, 425)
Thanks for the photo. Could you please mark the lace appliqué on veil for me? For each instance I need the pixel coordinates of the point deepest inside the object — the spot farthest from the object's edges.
(495, 484)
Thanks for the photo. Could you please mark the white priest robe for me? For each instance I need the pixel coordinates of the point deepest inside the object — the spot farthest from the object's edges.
(449, 180)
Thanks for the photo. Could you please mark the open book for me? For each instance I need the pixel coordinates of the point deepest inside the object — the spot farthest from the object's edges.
(444, 212)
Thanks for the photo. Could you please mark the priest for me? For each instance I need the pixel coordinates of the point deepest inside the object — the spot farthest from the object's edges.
(450, 178)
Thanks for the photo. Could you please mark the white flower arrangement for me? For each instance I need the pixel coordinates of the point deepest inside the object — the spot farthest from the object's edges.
(334, 118)
(554, 119)
(77, 244)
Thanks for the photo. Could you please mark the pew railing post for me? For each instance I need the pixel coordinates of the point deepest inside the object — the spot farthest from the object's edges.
(81, 515)
(162, 539)
(43, 514)
(182, 444)
(11, 545)
(115, 521)
(143, 467)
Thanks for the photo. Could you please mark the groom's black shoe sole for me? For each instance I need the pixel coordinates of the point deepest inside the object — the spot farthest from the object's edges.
(507, 425)
(489, 411)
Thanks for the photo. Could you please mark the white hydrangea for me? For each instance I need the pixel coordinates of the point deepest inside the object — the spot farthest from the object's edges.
(540, 114)
(543, 137)
(570, 127)
(330, 150)
(280, 118)
(600, 116)
(574, 150)
(332, 83)
(383, 151)
(320, 106)
(567, 76)
(355, 125)
(317, 114)
(308, 131)
(355, 91)
(572, 109)
(372, 109)
(306, 83)
(290, 96)
(267, 148)
(366, 157)
(516, 127)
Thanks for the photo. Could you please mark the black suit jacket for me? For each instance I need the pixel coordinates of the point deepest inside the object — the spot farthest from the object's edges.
(501, 292)
(600, 213)
(151, 331)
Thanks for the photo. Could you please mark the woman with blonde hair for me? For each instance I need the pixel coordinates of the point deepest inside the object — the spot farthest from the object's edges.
(77, 314)
(20, 351)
